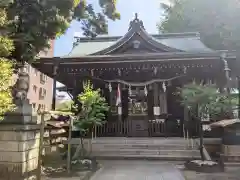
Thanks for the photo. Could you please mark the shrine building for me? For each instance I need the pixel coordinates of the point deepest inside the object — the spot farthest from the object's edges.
(139, 75)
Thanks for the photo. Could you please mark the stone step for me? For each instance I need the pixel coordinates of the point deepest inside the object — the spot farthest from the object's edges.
(143, 157)
(191, 153)
(136, 140)
(132, 141)
(142, 146)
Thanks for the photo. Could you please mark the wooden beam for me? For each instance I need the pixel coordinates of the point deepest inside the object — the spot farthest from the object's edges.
(55, 73)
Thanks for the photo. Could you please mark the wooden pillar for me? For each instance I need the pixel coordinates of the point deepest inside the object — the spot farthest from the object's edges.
(150, 104)
(186, 123)
(238, 79)
(119, 102)
(110, 95)
(119, 97)
(55, 68)
(156, 103)
(110, 99)
(162, 98)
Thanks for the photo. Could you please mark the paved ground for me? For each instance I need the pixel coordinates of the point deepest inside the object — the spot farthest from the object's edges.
(137, 170)
(231, 173)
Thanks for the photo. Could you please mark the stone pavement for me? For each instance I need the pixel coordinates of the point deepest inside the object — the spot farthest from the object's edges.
(138, 170)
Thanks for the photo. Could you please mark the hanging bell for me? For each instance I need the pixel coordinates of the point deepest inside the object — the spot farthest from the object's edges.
(164, 87)
(145, 91)
(110, 87)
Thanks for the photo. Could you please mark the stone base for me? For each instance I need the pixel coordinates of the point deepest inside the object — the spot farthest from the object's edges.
(19, 151)
(231, 158)
(22, 115)
(15, 171)
(204, 166)
(231, 150)
(231, 153)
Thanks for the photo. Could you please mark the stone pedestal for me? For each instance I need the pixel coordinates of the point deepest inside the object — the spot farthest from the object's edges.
(19, 145)
(231, 153)
(231, 142)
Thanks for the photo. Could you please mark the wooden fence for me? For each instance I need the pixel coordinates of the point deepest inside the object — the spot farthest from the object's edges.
(125, 128)
(154, 128)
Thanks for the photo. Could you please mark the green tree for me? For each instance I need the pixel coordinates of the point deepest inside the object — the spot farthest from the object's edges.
(204, 100)
(6, 66)
(35, 22)
(216, 20)
(92, 113)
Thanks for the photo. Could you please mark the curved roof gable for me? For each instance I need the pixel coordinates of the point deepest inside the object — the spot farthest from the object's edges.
(136, 36)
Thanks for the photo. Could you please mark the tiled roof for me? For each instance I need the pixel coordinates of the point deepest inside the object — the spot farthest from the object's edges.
(189, 42)
(225, 123)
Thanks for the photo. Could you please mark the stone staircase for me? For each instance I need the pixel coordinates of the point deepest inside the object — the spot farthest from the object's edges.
(143, 148)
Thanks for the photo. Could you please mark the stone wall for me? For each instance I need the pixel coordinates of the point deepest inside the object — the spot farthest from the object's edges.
(19, 148)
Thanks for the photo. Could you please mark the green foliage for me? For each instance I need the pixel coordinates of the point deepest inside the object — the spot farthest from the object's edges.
(93, 109)
(35, 22)
(216, 20)
(6, 66)
(207, 99)
(6, 46)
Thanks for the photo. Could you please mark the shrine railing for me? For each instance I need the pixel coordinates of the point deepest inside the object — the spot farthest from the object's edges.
(113, 129)
(125, 129)
(160, 128)
(154, 128)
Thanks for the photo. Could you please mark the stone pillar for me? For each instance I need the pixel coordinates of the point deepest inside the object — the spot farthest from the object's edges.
(19, 145)
(156, 107)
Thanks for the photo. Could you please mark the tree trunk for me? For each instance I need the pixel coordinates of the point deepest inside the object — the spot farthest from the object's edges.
(80, 148)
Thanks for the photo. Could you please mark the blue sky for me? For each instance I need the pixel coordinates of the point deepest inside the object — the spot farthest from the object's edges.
(148, 11)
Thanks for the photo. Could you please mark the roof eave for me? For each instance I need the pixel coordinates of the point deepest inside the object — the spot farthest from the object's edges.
(110, 58)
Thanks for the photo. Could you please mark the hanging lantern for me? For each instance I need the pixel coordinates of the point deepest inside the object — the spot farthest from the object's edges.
(129, 90)
(164, 87)
(145, 91)
(110, 87)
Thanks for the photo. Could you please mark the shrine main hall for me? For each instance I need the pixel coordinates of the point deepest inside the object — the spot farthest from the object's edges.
(139, 75)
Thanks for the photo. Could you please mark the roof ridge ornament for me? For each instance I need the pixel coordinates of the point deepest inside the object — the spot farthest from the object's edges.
(136, 15)
(136, 23)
